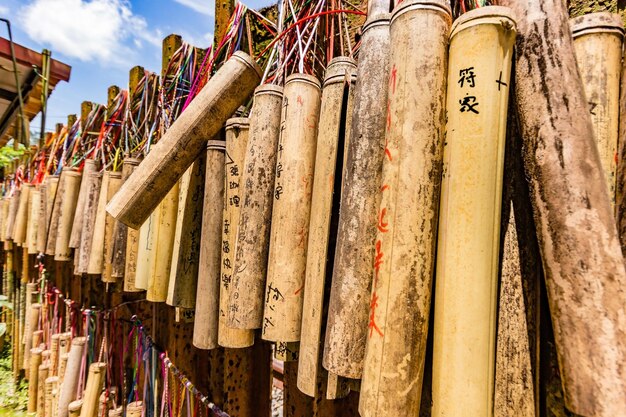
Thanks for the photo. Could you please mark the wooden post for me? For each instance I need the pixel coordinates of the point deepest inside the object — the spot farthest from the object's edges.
(581, 255)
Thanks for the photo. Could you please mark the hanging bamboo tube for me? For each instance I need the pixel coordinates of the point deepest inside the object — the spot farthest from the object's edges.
(44, 370)
(62, 366)
(237, 131)
(74, 408)
(21, 218)
(33, 220)
(110, 184)
(30, 328)
(207, 295)
(55, 399)
(50, 386)
(83, 252)
(35, 361)
(245, 310)
(42, 233)
(95, 382)
(165, 229)
(134, 409)
(344, 343)
(186, 252)
(104, 404)
(130, 270)
(407, 219)
(335, 113)
(146, 250)
(71, 376)
(68, 193)
(598, 39)
(230, 87)
(54, 353)
(13, 208)
(114, 183)
(469, 230)
(120, 230)
(117, 412)
(4, 214)
(291, 209)
(53, 222)
(50, 192)
(89, 168)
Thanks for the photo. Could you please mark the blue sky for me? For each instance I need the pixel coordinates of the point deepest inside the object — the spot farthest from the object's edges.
(103, 39)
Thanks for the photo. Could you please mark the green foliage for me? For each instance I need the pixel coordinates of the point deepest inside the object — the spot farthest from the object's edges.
(7, 154)
(12, 396)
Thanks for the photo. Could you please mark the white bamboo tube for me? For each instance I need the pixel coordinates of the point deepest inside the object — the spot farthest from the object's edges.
(407, 218)
(146, 251)
(120, 230)
(207, 295)
(52, 186)
(291, 210)
(186, 252)
(83, 252)
(245, 310)
(42, 233)
(44, 370)
(94, 260)
(134, 409)
(237, 130)
(333, 123)
(180, 146)
(54, 353)
(4, 214)
(29, 329)
(130, 268)
(117, 412)
(469, 230)
(598, 39)
(115, 180)
(74, 408)
(89, 168)
(165, 228)
(35, 361)
(34, 204)
(53, 221)
(70, 186)
(71, 376)
(21, 218)
(95, 382)
(13, 208)
(348, 307)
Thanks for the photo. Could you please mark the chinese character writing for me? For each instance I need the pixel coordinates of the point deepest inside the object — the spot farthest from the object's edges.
(468, 76)
(468, 104)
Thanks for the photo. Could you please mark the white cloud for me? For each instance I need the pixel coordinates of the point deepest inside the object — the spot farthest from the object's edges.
(4, 11)
(201, 6)
(102, 30)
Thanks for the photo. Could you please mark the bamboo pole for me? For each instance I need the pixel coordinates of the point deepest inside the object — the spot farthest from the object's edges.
(245, 309)
(95, 382)
(207, 295)
(114, 183)
(4, 214)
(230, 87)
(237, 132)
(74, 408)
(50, 387)
(53, 222)
(291, 209)
(83, 252)
(54, 353)
(120, 230)
(33, 220)
(110, 183)
(68, 191)
(583, 263)
(89, 168)
(30, 327)
(35, 361)
(134, 409)
(146, 250)
(165, 217)
(348, 310)
(335, 113)
(71, 376)
(21, 218)
(44, 370)
(598, 39)
(469, 231)
(13, 208)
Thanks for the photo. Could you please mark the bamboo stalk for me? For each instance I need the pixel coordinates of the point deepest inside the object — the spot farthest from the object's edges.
(95, 382)
(68, 191)
(83, 252)
(33, 221)
(13, 208)
(53, 222)
(35, 361)
(89, 168)
(114, 183)
(71, 376)
(21, 218)
(120, 230)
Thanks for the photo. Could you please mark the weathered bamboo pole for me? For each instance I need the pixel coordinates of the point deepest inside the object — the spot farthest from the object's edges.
(245, 310)
(44, 370)
(114, 183)
(50, 386)
(146, 251)
(598, 39)
(30, 327)
(71, 376)
(134, 409)
(54, 353)
(120, 230)
(407, 219)
(35, 361)
(68, 193)
(89, 168)
(74, 408)
(53, 221)
(237, 133)
(21, 218)
(344, 346)
(291, 210)
(466, 297)
(33, 220)
(96, 256)
(335, 115)
(95, 382)
(231, 85)
(13, 207)
(83, 252)
(207, 295)
(4, 214)
(583, 263)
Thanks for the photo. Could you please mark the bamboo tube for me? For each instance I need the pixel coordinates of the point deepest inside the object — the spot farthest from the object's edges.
(70, 376)
(132, 250)
(35, 361)
(348, 309)
(207, 295)
(54, 353)
(21, 218)
(115, 181)
(13, 208)
(291, 210)
(4, 213)
(117, 412)
(52, 186)
(33, 221)
(186, 252)
(83, 252)
(104, 404)
(598, 41)
(95, 382)
(583, 263)
(65, 342)
(53, 222)
(146, 251)
(469, 232)
(110, 184)
(407, 221)
(68, 191)
(62, 366)
(134, 409)
(89, 168)
(334, 112)
(230, 87)
(54, 399)
(29, 329)
(44, 370)
(42, 234)
(237, 131)
(245, 310)
(120, 230)
(74, 408)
